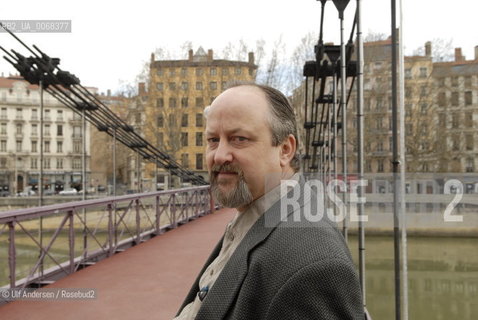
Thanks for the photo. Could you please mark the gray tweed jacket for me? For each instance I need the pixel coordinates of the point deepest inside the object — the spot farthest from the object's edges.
(285, 270)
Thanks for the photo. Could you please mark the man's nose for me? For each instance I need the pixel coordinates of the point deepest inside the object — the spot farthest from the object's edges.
(223, 153)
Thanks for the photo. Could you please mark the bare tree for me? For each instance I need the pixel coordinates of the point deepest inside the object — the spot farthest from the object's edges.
(442, 50)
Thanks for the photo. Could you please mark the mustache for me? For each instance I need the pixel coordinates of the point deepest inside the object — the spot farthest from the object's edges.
(226, 168)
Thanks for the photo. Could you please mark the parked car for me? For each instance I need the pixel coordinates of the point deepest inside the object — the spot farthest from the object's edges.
(4, 193)
(48, 192)
(68, 192)
(26, 193)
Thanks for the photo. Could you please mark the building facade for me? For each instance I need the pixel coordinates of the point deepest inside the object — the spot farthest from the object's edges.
(441, 113)
(20, 140)
(178, 92)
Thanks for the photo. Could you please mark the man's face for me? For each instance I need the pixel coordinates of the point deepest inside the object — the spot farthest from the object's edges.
(239, 151)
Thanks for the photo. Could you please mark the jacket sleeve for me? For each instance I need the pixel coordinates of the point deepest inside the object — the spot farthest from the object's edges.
(322, 290)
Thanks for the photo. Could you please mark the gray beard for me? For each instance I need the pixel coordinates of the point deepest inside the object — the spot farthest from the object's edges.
(238, 197)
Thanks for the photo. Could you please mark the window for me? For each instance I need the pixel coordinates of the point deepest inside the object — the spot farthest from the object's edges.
(47, 130)
(47, 114)
(408, 92)
(3, 129)
(184, 102)
(172, 72)
(159, 72)
(34, 114)
(468, 81)
(442, 120)
(185, 160)
(454, 81)
(19, 145)
(184, 85)
(378, 123)
(424, 129)
(34, 130)
(454, 99)
(172, 86)
(454, 120)
(160, 138)
(19, 115)
(199, 165)
(379, 146)
(59, 115)
(408, 129)
(423, 72)
(199, 118)
(238, 71)
(47, 146)
(184, 72)
(200, 102)
(59, 163)
(19, 128)
(160, 121)
(442, 99)
(76, 147)
(3, 146)
(225, 71)
(470, 165)
(423, 108)
(213, 71)
(455, 143)
(59, 130)
(408, 73)
(423, 91)
(34, 163)
(213, 85)
(76, 163)
(159, 86)
(199, 139)
(59, 146)
(184, 120)
(223, 85)
(184, 139)
(198, 85)
(469, 120)
(199, 72)
(34, 146)
(160, 103)
(172, 120)
(468, 98)
(172, 102)
(469, 142)
(3, 113)
(380, 166)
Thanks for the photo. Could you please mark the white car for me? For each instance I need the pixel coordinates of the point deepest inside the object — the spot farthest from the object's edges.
(68, 192)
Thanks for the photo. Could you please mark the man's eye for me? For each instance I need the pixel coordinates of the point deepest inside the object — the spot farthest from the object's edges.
(239, 139)
(213, 140)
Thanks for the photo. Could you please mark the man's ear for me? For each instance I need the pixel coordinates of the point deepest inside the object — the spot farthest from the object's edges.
(287, 151)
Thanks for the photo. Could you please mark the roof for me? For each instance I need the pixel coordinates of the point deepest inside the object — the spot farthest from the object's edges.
(7, 82)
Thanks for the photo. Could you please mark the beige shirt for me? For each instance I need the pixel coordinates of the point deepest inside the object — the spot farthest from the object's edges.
(235, 232)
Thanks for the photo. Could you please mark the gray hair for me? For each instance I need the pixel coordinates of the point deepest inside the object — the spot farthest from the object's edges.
(282, 118)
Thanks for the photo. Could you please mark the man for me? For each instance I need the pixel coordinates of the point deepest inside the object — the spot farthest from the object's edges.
(265, 266)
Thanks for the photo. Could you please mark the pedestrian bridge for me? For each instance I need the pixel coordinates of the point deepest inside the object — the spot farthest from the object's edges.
(149, 280)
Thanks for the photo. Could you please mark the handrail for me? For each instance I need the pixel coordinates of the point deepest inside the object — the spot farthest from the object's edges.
(112, 225)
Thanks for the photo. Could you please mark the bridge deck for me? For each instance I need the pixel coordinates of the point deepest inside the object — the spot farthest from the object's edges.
(148, 281)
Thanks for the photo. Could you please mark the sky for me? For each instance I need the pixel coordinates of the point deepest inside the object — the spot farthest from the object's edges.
(110, 41)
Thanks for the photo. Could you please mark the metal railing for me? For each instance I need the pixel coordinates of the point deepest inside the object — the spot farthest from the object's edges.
(105, 226)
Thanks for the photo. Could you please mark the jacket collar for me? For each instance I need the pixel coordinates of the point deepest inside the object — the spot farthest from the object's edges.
(224, 291)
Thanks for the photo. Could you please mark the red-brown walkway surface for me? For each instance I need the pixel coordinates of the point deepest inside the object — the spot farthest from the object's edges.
(148, 281)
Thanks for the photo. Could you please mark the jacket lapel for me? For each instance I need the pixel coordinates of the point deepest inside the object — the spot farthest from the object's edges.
(224, 291)
(195, 287)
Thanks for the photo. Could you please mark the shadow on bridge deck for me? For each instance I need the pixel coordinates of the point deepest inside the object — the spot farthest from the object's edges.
(148, 281)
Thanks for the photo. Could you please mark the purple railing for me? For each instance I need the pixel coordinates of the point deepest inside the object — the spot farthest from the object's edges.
(106, 226)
